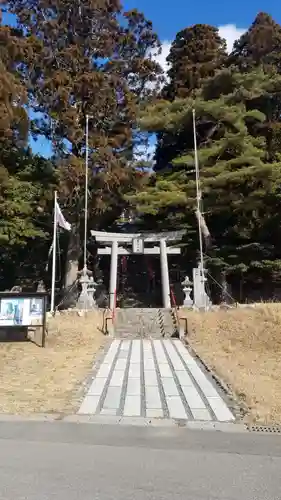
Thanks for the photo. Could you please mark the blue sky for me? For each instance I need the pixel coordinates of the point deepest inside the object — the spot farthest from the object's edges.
(169, 17)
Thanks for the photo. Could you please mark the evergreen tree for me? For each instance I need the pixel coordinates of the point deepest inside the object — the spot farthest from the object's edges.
(26, 181)
(257, 90)
(196, 53)
(259, 46)
(88, 58)
(240, 187)
(13, 96)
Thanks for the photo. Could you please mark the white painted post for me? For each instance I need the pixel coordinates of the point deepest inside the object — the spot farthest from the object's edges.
(165, 274)
(55, 228)
(113, 273)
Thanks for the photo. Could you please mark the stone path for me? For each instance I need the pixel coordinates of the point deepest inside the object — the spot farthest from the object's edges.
(153, 379)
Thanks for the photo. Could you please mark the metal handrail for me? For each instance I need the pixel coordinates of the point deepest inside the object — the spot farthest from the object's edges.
(175, 309)
(106, 324)
(113, 311)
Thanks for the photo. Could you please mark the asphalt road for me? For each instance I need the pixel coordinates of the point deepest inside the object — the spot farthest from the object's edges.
(68, 461)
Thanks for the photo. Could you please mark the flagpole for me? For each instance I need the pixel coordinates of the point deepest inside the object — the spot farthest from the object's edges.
(198, 199)
(54, 256)
(86, 194)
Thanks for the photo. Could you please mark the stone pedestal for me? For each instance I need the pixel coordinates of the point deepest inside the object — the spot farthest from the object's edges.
(201, 298)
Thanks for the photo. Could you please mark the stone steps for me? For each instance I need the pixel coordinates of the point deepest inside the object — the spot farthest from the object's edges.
(144, 323)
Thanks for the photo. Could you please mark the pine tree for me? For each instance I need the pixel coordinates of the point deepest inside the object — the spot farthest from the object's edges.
(258, 90)
(260, 47)
(240, 187)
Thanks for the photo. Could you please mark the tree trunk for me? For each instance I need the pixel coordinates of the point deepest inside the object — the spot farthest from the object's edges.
(72, 267)
(226, 296)
(73, 255)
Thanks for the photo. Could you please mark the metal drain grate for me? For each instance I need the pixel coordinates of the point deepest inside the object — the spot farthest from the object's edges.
(269, 429)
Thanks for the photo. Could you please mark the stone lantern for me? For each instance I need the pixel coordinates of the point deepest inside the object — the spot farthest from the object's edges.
(187, 289)
(86, 299)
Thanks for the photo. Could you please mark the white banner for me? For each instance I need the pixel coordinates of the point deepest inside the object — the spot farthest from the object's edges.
(61, 221)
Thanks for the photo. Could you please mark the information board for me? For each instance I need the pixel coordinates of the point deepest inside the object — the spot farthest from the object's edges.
(21, 311)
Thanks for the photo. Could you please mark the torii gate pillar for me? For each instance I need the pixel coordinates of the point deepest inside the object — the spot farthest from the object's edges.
(113, 274)
(165, 274)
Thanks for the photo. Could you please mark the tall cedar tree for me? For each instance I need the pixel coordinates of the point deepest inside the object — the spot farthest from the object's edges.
(260, 45)
(241, 193)
(90, 58)
(25, 179)
(196, 53)
(13, 116)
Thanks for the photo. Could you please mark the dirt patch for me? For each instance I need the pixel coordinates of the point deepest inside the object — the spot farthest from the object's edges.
(38, 380)
(243, 347)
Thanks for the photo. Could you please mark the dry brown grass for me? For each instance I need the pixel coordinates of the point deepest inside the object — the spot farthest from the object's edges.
(38, 380)
(243, 347)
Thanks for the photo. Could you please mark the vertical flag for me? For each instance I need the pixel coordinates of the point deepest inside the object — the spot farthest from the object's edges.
(59, 220)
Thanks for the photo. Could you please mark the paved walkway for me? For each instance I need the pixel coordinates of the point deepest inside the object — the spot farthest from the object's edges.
(154, 379)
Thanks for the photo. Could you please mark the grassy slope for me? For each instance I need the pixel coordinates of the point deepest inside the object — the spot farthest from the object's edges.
(47, 380)
(243, 347)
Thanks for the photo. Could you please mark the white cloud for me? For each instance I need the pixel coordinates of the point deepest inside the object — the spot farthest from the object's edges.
(229, 31)
(161, 58)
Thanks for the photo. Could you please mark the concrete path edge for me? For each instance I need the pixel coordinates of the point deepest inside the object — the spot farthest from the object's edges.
(126, 421)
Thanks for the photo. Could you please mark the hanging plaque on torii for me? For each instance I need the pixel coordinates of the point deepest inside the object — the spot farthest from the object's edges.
(138, 245)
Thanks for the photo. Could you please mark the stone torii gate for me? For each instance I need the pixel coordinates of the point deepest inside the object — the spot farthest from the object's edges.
(118, 243)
